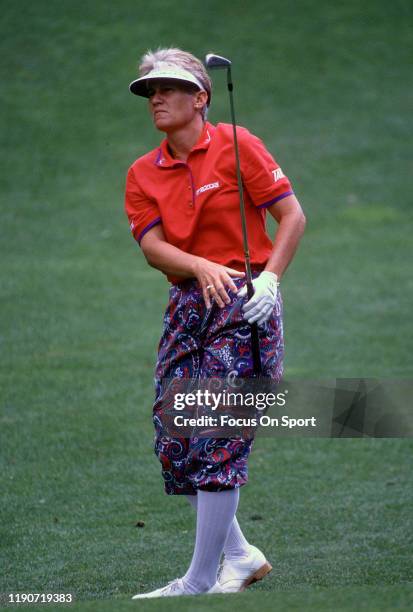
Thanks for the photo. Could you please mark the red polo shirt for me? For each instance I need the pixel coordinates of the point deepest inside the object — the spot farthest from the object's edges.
(197, 201)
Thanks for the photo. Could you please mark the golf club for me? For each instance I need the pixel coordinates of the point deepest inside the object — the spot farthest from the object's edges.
(213, 61)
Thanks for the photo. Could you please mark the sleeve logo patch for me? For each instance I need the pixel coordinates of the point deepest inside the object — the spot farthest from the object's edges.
(278, 174)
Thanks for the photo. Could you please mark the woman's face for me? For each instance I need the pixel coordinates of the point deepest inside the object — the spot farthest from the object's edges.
(174, 105)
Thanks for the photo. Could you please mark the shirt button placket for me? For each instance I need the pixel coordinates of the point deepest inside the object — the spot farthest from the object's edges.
(191, 188)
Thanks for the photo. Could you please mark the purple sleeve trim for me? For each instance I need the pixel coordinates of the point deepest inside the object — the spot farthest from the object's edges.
(148, 227)
(277, 199)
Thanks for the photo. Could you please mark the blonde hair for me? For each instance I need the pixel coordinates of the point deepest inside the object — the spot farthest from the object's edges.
(182, 59)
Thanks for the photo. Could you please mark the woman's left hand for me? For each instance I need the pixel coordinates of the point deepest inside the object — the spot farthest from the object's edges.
(260, 306)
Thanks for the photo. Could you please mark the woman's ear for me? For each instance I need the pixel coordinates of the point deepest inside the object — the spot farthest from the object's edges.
(201, 99)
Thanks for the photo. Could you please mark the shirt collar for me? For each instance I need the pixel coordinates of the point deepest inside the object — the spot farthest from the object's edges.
(164, 159)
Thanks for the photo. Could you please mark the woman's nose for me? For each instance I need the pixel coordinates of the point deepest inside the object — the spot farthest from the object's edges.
(156, 97)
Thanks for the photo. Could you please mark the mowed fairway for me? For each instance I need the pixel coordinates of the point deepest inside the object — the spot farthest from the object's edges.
(327, 85)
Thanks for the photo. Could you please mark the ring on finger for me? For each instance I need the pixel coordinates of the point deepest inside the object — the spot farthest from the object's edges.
(210, 287)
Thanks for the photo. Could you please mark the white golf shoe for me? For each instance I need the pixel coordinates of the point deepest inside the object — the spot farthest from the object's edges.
(175, 588)
(237, 574)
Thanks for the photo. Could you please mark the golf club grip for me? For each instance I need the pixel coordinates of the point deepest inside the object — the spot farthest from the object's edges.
(255, 339)
(255, 348)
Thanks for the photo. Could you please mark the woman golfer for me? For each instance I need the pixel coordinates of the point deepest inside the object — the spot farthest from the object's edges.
(182, 202)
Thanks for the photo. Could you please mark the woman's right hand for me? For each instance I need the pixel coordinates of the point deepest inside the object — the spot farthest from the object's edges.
(214, 280)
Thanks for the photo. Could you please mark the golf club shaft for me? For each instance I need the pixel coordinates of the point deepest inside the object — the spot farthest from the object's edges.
(240, 188)
(255, 341)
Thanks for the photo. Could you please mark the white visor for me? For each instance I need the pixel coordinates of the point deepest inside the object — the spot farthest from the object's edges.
(139, 87)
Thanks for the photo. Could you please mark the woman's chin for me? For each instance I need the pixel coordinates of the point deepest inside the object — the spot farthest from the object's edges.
(162, 123)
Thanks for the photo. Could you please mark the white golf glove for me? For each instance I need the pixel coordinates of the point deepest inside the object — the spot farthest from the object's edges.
(259, 307)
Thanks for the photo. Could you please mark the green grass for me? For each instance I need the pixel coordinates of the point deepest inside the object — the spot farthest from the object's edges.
(394, 597)
(326, 86)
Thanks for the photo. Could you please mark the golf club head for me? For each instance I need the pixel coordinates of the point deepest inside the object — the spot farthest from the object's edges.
(216, 61)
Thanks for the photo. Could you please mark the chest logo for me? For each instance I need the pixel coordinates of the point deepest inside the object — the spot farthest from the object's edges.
(207, 187)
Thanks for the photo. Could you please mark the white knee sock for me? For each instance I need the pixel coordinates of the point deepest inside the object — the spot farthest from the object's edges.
(236, 545)
(215, 514)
